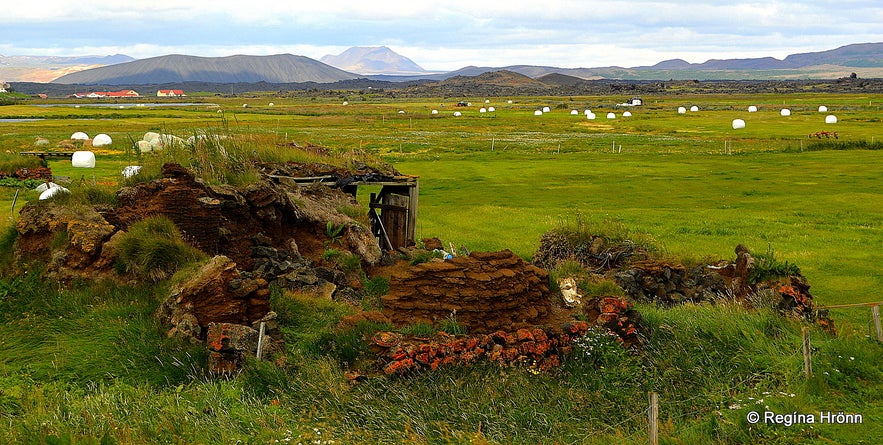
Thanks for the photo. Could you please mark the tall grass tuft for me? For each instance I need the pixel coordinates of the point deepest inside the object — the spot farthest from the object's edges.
(153, 248)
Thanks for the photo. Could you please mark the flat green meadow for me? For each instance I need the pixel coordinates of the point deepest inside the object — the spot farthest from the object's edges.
(94, 367)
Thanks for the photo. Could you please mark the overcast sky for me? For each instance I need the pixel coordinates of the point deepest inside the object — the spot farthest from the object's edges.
(443, 35)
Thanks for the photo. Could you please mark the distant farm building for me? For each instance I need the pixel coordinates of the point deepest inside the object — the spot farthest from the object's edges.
(100, 94)
(633, 102)
(170, 93)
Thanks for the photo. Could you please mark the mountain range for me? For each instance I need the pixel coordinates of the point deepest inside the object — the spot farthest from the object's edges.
(383, 64)
(373, 60)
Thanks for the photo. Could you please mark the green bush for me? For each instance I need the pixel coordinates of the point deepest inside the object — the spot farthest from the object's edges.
(767, 267)
(154, 249)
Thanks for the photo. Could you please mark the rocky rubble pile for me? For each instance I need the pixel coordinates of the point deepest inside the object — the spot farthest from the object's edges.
(39, 173)
(539, 348)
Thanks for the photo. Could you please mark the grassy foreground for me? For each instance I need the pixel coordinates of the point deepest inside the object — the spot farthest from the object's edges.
(93, 368)
(87, 364)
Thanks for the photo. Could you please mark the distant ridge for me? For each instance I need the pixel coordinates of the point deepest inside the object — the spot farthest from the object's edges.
(372, 60)
(281, 68)
(863, 59)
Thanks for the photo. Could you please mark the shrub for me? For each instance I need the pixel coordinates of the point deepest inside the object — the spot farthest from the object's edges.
(154, 249)
(767, 267)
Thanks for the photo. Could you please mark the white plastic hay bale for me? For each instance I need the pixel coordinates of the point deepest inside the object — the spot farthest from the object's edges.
(271, 104)
(80, 136)
(101, 140)
(752, 109)
(509, 102)
(587, 112)
(131, 170)
(487, 101)
(682, 110)
(546, 109)
(83, 159)
(738, 123)
(611, 115)
(627, 114)
(590, 116)
(482, 110)
(491, 109)
(401, 111)
(346, 103)
(457, 114)
(823, 109)
(433, 112)
(830, 119)
(785, 112)
(52, 191)
(574, 112)
(144, 146)
(151, 136)
(694, 108)
(538, 113)
(45, 186)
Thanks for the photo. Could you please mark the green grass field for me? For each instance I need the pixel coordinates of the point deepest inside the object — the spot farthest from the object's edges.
(86, 363)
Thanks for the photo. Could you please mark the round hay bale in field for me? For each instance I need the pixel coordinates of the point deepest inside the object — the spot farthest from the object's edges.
(823, 109)
(574, 112)
(83, 159)
(546, 109)
(482, 110)
(101, 140)
(785, 112)
(131, 170)
(80, 136)
(491, 109)
(434, 112)
(738, 123)
(590, 116)
(627, 114)
(611, 115)
(144, 146)
(752, 109)
(52, 191)
(694, 108)
(682, 110)
(457, 114)
(538, 113)
(830, 119)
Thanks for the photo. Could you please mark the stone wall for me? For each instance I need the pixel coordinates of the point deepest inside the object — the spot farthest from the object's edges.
(484, 292)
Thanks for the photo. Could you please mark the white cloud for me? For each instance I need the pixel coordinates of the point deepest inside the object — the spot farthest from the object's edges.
(445, 35)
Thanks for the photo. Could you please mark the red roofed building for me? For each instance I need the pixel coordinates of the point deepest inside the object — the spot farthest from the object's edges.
(170, 93)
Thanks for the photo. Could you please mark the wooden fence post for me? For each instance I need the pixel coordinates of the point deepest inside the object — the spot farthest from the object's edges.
(807, 353)
(875, 312)
(653, 417)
